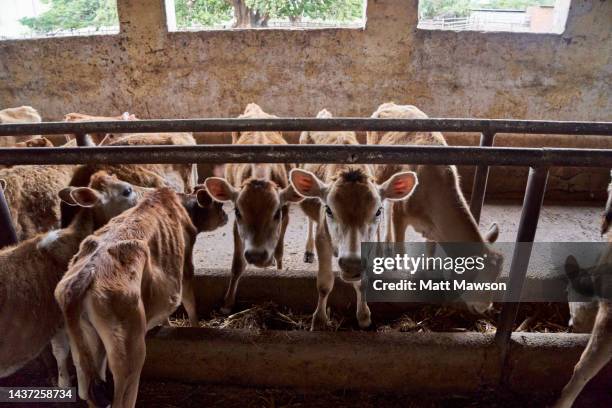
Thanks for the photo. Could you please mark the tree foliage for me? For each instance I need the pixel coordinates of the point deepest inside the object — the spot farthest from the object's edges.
(73, 14)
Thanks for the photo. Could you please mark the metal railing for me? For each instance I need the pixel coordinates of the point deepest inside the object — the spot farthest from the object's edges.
(539, 160)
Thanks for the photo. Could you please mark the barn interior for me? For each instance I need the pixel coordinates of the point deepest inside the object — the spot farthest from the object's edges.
(152, 72)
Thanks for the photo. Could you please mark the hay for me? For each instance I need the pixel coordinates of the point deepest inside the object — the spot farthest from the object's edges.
(546, 318)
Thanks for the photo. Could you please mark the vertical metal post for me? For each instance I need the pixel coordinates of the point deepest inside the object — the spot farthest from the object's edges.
(8, 236)
(530, 214)
(83, 140)
(479, 187)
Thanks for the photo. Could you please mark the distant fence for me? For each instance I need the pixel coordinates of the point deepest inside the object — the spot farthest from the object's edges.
(475, 23)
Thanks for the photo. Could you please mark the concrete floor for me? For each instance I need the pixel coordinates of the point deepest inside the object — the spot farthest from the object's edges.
(567, 223)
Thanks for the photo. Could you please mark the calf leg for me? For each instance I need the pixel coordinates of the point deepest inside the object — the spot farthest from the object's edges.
(325, 279)
(363, 311)
(399, 224)
(60, 346)
(238, 267)
(309, 255)
(189, 301)
(596, 355)
(124, 341)
(280, 245)
(389, 222)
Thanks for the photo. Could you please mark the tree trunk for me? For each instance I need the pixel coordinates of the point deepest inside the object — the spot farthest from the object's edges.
(246, 17)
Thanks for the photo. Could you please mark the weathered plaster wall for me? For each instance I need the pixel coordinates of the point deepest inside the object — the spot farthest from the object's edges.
(153, 73)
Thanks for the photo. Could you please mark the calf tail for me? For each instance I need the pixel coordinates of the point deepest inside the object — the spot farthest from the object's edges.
(70, 294)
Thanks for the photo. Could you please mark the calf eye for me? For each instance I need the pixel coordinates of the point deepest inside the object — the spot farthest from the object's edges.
(237, 212)
(127, 192)
(277, 214)
(328, 211)
(379, 212)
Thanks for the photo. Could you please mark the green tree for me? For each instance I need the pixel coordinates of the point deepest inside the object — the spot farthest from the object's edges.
(73, 14)
(202, 12)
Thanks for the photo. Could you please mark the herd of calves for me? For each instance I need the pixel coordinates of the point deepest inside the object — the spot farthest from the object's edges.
(105, 251)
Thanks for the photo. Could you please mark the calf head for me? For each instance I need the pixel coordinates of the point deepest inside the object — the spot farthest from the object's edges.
(259, 210)
(352, 203)
(205, 213)
(106, 196)
(35, 142)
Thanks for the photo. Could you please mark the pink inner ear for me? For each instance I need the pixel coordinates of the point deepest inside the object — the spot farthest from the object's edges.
(400, 186)
(304, 183)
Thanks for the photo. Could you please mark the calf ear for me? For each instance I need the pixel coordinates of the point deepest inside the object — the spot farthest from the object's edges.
(203, 198)
(399, 187)
(85, 197)
(64, 195)
(572, 269)
(307, 184)
(288, 195)
(220, 190)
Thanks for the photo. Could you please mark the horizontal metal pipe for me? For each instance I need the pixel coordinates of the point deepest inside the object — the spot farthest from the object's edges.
(491, 156)
(313, 124)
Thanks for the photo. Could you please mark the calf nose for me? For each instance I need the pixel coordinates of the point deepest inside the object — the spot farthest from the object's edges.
(351, 267)
(256, 257)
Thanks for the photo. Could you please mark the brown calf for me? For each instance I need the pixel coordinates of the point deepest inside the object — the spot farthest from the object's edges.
(127, 278)
(181, 177)
(437, 209)
(22, 114)
(347, 210)
(30, 271)
(96, 138)
(260, 193)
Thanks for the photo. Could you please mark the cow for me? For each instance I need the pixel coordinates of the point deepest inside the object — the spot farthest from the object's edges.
(348, 210)
(437, 209)
(30, 271)
(127, 278)
(261, 194)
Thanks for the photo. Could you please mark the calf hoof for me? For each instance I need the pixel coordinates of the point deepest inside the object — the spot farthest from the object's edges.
(319, 324)
(100, 393)
(309, 257)
(364, 322)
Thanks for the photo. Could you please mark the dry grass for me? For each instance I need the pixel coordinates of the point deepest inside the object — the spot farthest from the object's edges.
(544, 318)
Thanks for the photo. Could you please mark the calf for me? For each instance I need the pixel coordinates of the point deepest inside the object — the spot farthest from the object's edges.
(348, 211)
(127, 278)
(437, 209)
(32, 197)
(261, 194)
(30, 271)
(22, 114)
(181, 177)
(590, 317)
(96, 138)
(594, 317)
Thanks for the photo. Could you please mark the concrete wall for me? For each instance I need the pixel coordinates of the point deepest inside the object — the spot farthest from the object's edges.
(153, 73)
